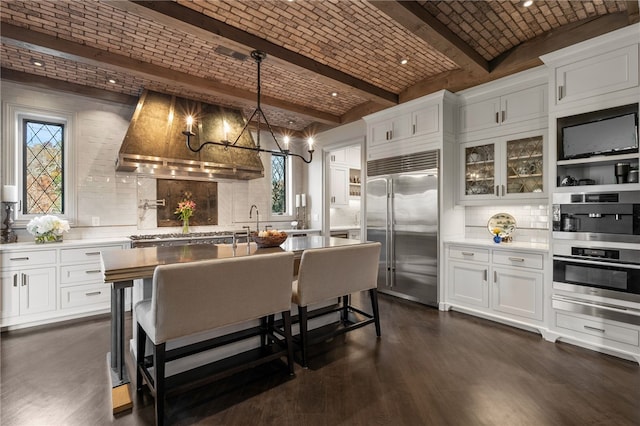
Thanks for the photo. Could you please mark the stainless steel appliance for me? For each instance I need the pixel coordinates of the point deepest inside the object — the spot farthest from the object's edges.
(597, 281)
(402, 214)
(611, 216)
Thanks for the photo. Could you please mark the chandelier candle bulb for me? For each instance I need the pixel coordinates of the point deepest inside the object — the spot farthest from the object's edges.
(10, 194)
(189, 124)
(303, 200)
(310, 140)
(297, 200)
(286, 143)
(225, 126)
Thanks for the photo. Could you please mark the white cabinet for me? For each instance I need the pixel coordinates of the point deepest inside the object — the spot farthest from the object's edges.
(41, 284)
(511, 108)
(498, 283)
(81, 281)
(338, 156)
(410, 127)
(468, 283)
(339, 186)
(507, 168)
(597, 75)
(28, 291)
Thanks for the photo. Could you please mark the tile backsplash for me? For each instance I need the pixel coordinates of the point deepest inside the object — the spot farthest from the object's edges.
(532, 221)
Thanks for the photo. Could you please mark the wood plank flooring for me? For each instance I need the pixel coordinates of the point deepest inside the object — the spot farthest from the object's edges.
(429, 368)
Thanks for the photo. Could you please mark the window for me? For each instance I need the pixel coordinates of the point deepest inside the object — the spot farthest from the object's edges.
(43, 167)
(39, 160)
(278, 184)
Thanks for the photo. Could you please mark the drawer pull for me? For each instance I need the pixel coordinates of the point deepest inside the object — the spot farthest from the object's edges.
(92, 253)
(495, 276)
(19, 258)
(467, 253)
(516, 259)
(486, 274)
(94, 271)
(93, 293)
(594, 329)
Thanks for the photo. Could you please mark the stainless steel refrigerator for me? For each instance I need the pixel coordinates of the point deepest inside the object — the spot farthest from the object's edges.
(402, 214)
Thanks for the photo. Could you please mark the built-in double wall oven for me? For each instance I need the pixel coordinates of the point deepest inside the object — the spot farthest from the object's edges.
(596, 255)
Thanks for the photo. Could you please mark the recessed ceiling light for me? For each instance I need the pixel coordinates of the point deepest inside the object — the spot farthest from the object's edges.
(403, 61)
(527, 3)
(37, 63)
(112, 80)
(334, 94)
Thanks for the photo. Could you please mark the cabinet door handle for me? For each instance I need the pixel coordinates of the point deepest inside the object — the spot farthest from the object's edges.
(92, 253)
(25, 280)
(503, 190)
(93, 293)
(497, 117)
(504, 115)
(467, 253)
(486, 274)
(413, 129)
(497, 189)
(94, 271)
(390, 134)
(593, 328)
(15, 280)
(559, 92)
(19, 258)
(516, 259)
(495, 276)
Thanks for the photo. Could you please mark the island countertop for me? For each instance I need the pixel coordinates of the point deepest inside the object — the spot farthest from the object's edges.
(135, 263)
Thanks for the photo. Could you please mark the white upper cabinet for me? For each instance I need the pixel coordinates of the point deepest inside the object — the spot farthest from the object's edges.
(511, 108)
(613, 71)
(409, 127)
(595, 74)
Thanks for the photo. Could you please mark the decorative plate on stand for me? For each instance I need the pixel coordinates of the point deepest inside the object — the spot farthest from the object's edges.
(501, 223)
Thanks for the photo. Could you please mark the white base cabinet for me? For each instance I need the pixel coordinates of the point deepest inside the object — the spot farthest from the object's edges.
(41, 284)
(497, 283)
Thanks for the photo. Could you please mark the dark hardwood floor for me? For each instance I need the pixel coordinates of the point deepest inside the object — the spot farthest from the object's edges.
(429, 368)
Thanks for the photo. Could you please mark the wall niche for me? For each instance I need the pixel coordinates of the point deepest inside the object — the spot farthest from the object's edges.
(204, 194)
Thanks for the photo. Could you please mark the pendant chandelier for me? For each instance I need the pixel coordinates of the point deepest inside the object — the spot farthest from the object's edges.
(258, 56)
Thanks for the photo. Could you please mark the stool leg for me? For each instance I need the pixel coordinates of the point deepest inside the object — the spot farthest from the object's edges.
(344, 314)
(373, 293)
(158, 365)
(302, 316)
(141, 340)
(263, 331)
(286, 319)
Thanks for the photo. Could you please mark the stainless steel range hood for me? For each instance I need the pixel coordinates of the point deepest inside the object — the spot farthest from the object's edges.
(154, 144)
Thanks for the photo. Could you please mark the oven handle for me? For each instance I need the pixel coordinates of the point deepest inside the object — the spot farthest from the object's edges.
(595, 262)
(602, 305)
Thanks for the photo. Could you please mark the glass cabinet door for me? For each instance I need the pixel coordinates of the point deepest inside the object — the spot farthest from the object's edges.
(480, 170)
(524, 165)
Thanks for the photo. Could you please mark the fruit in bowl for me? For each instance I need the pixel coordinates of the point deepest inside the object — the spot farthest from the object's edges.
(269, 238)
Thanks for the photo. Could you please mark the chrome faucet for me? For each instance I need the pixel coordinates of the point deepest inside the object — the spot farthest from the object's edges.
(253, 206)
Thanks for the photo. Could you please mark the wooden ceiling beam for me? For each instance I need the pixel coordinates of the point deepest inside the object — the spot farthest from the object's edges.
(202, 26)
(522, 57)
(633, 11)
(63, 86)
(61, 48)
(422, 24)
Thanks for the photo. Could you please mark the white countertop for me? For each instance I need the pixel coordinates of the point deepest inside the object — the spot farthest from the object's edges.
(31, 245)
(488, 243)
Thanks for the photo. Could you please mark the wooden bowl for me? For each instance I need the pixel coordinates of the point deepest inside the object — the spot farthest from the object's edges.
(269, 241)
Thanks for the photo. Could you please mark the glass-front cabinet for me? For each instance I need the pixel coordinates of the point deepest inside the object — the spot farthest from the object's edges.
(503, 168)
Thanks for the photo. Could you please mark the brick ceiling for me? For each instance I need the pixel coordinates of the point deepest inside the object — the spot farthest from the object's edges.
(315, 48)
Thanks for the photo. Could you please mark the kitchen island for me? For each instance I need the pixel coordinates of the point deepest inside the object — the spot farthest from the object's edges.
(122, 267)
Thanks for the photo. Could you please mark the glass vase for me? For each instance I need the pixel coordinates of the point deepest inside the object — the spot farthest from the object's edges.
(185, 226)
(48, 237)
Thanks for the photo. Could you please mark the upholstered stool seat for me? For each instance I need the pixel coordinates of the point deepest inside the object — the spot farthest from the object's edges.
(335, 273)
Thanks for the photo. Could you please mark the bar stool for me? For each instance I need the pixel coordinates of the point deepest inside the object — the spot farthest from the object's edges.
(335, 272)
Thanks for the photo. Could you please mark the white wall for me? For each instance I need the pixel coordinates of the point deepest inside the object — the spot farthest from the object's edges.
(114, 197)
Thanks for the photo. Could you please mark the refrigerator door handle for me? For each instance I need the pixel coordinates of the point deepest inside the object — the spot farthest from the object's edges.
(391, 240)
